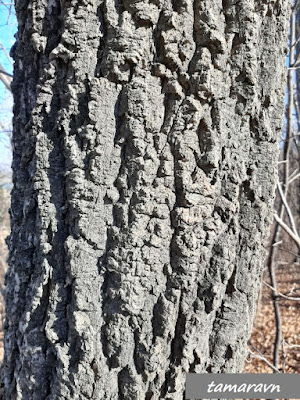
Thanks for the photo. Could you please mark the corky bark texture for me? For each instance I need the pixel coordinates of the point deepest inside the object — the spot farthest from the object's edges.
(145, 154)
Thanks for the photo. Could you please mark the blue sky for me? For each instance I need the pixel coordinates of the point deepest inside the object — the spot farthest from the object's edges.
(8, 27)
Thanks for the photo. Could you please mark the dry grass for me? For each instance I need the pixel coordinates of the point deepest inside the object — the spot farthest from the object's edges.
(263, 334)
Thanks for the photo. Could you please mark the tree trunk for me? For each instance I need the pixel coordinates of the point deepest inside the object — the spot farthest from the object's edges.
(295, 50)
(145, 156)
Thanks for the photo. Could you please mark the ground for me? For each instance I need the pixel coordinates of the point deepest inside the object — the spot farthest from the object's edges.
(263, 333)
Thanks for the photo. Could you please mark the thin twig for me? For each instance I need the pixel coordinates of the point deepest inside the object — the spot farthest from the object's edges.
(5, 73)
(288, 210)
(5, 78)
(6, 54)
(288, 230)
(294, 178)
(295, 172)
(281, 294)
(292, 346)
(260, 356)
(285, 250)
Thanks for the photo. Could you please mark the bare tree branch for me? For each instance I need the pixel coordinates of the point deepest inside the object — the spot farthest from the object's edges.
(6, 73)
(260, 356)
(292, 346)
(288, 210)
(281, 294)
(294, 178)
(5, 77)
(6, 54)
(288, 230)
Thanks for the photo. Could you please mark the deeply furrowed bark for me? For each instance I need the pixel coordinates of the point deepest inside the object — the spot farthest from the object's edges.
(145, 156)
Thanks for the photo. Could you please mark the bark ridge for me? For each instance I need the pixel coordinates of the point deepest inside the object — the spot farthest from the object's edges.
(145, 156)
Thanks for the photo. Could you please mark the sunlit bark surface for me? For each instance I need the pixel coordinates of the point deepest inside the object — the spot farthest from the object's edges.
(145, 155)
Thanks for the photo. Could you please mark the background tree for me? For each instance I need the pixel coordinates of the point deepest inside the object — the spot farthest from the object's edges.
(285, 239)
(145, 157)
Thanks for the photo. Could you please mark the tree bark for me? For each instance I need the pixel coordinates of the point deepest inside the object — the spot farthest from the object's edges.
(145, 160)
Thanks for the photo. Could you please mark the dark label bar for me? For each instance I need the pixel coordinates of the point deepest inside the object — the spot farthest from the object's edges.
(243, 386)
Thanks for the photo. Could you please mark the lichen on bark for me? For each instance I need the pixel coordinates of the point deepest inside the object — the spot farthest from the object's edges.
(145, 150)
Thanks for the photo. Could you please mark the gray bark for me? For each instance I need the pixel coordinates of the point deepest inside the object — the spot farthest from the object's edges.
(145, 157)
(295, 50)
